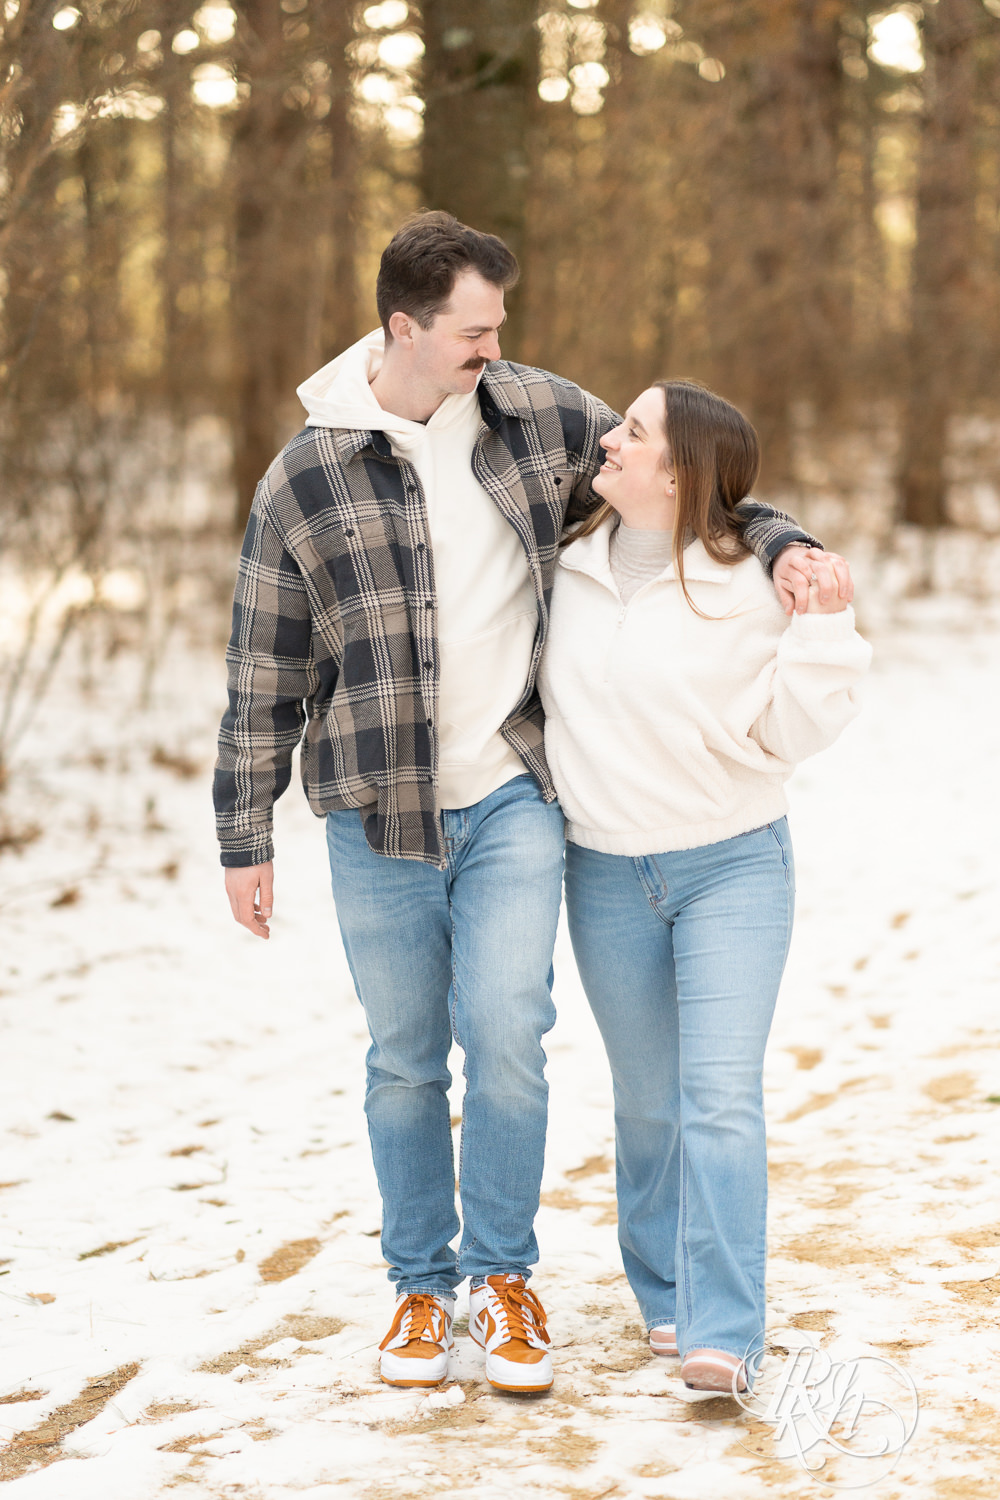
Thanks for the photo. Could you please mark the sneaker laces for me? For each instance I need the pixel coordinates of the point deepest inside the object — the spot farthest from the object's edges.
(422, 1314)
(523, 1312)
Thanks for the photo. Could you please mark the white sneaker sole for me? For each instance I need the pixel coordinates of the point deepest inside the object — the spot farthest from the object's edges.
(418, 1374)
(508, 1375)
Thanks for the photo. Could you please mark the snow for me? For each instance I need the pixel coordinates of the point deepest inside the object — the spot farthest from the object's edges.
(190, 1213)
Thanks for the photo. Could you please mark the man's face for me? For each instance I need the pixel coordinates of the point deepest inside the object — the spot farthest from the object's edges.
(462, 338)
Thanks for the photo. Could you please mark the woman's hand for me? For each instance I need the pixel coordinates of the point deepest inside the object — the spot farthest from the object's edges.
(816, 605)
(793, 573)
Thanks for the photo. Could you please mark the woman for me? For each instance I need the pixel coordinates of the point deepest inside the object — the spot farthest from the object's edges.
(678, 698)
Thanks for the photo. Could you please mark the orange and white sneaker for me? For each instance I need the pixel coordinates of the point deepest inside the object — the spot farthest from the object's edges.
(508, 1322)
(415, 1350)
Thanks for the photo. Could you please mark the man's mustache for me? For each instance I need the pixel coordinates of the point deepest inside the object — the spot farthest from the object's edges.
(474, 364)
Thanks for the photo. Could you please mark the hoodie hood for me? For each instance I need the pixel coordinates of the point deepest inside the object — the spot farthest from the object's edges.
(340, 395)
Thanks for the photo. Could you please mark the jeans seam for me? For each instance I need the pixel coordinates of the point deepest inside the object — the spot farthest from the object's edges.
(458, 1039)
(637, 863)
(685, 1281)
(784, 853)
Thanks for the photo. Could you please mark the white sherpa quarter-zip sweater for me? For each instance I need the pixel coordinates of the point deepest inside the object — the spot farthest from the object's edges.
(667, 731)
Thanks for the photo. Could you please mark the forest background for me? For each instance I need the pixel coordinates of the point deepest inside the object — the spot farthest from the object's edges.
(797, 201)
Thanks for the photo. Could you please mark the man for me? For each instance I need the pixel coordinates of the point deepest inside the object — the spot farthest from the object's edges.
(393, 600)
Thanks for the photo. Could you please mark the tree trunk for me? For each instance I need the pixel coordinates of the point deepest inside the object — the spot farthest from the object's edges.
(777, 303)
(942, 260)
(270, 232)
(340, 302)
(480, 78)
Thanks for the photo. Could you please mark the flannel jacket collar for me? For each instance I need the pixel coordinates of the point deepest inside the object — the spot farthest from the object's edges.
(501, 394)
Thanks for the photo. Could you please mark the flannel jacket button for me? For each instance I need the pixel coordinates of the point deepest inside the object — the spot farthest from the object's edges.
(428, 666)
(348, 532)
(421, 547)
(428, 603)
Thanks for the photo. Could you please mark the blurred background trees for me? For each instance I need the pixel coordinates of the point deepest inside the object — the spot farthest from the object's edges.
(797, 201)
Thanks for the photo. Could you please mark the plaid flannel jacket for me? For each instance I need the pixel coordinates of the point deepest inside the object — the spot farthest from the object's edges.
(334, 614)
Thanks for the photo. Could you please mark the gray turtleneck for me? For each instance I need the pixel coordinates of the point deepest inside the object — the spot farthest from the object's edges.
(636, 556)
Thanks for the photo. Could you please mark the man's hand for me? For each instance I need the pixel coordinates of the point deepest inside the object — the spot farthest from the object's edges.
(242, 888)
(796, 567)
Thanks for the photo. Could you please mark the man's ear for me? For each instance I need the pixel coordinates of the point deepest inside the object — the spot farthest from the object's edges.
(401, 328)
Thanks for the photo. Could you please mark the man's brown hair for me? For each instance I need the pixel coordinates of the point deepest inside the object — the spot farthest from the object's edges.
(420, 263)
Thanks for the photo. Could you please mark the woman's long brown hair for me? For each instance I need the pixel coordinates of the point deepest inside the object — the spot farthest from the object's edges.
(716, 460)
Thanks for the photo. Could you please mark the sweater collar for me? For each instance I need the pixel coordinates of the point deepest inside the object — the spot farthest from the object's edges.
(590, 555)
(501, 394)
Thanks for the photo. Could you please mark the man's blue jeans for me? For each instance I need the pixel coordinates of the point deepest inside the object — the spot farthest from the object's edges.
(681, 956)
(464, 952)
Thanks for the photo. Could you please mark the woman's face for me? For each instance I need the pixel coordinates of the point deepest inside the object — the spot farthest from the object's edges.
(637, 475)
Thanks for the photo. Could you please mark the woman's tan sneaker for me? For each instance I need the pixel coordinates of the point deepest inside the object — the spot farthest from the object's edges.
(663, 1339)
(508, 1322)
(416, 1348)
(713, 1370)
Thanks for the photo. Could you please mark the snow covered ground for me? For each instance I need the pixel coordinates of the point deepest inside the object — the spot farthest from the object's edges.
(191, 1285)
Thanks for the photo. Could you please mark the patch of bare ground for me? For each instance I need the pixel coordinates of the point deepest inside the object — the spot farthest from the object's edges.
(811, 1105)
(965, 1487)
(981, 1427)
(655, 1470)
(843, 1195)
(806, 1058)
(602, 1492)
(161, 1410)
(820, 1321)
(288, 1260)
(477, 1408)
(183, 766)
(25, 1395)
(977, 1292)
(305, 1327)
(39, 1447)
(185, 1444)
(300, 1326)
(977, 1239)
(259, 1430)
(567, 1447)
(592, 1167)
(716, 1409)
(952, 1088)
(823, 1251)
(107, 1249)
(564, 1198)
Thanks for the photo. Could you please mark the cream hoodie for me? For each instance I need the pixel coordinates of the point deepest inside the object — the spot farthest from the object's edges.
(666, 731)
(487, 615)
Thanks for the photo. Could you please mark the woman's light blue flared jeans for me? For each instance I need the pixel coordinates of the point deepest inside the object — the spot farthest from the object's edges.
(464, 952)
(681, 956)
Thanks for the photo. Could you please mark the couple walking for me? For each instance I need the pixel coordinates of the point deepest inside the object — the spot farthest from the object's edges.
(474, 697)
